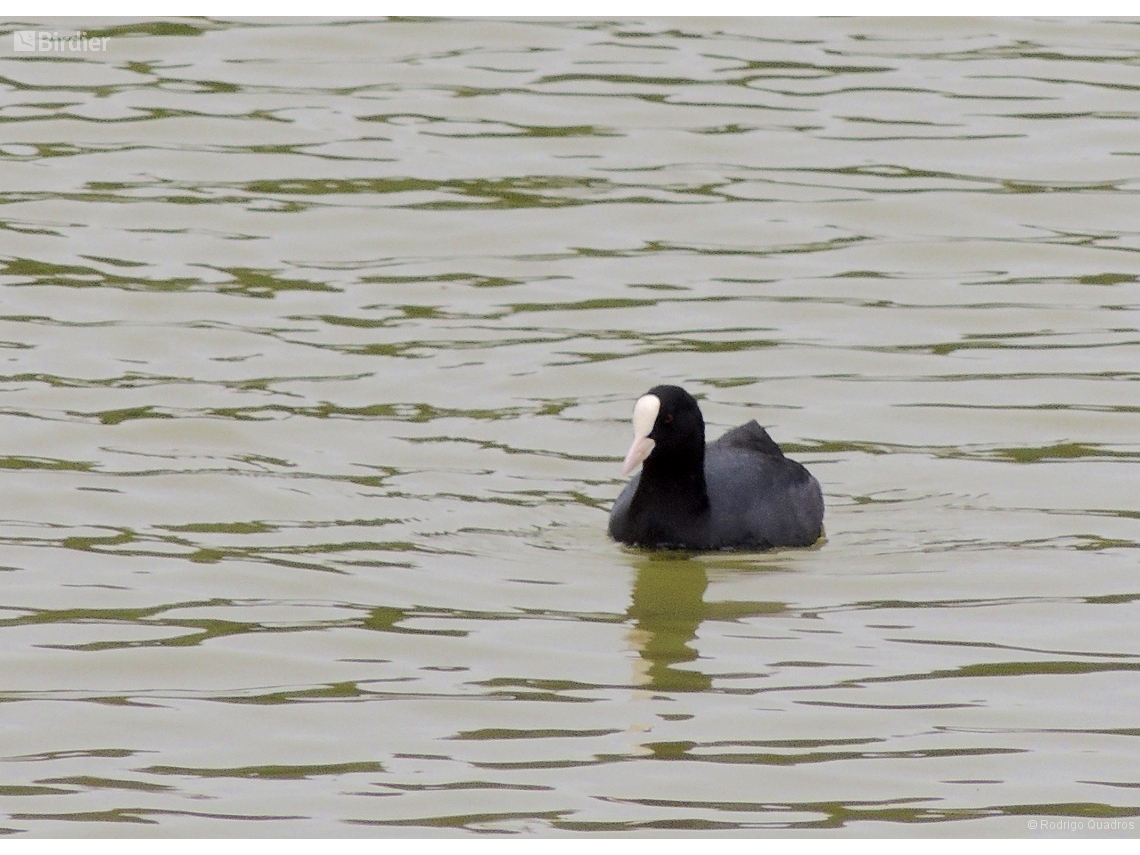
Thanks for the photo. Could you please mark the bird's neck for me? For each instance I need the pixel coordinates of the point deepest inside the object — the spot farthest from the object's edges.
(678, 475)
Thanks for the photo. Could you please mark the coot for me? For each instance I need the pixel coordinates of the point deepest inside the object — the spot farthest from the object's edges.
(738, 492)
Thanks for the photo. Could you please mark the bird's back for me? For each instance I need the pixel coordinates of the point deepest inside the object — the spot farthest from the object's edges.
(757, 496)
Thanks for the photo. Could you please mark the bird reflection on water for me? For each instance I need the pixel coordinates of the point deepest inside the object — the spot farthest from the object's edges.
(668, 607)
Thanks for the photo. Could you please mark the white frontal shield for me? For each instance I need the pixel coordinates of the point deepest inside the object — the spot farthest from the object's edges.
(644, 417)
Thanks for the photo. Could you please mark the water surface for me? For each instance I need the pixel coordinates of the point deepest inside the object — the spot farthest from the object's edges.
(320, 341)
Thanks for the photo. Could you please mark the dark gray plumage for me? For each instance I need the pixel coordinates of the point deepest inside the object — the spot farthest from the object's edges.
(738, 492)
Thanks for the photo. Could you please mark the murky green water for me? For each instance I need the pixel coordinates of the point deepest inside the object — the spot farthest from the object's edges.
(319, 346)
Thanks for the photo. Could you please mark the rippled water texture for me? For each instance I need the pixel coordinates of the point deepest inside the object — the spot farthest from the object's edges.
(320, 342)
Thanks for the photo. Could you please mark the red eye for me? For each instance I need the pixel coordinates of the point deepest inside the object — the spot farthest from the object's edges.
(668, 419)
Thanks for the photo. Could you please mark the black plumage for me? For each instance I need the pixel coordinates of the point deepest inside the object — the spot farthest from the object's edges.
(738, 492)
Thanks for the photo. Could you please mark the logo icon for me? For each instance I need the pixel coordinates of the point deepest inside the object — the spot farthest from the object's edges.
(24, 41)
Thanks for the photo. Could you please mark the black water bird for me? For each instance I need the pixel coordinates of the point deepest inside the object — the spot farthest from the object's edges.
(739, 492)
